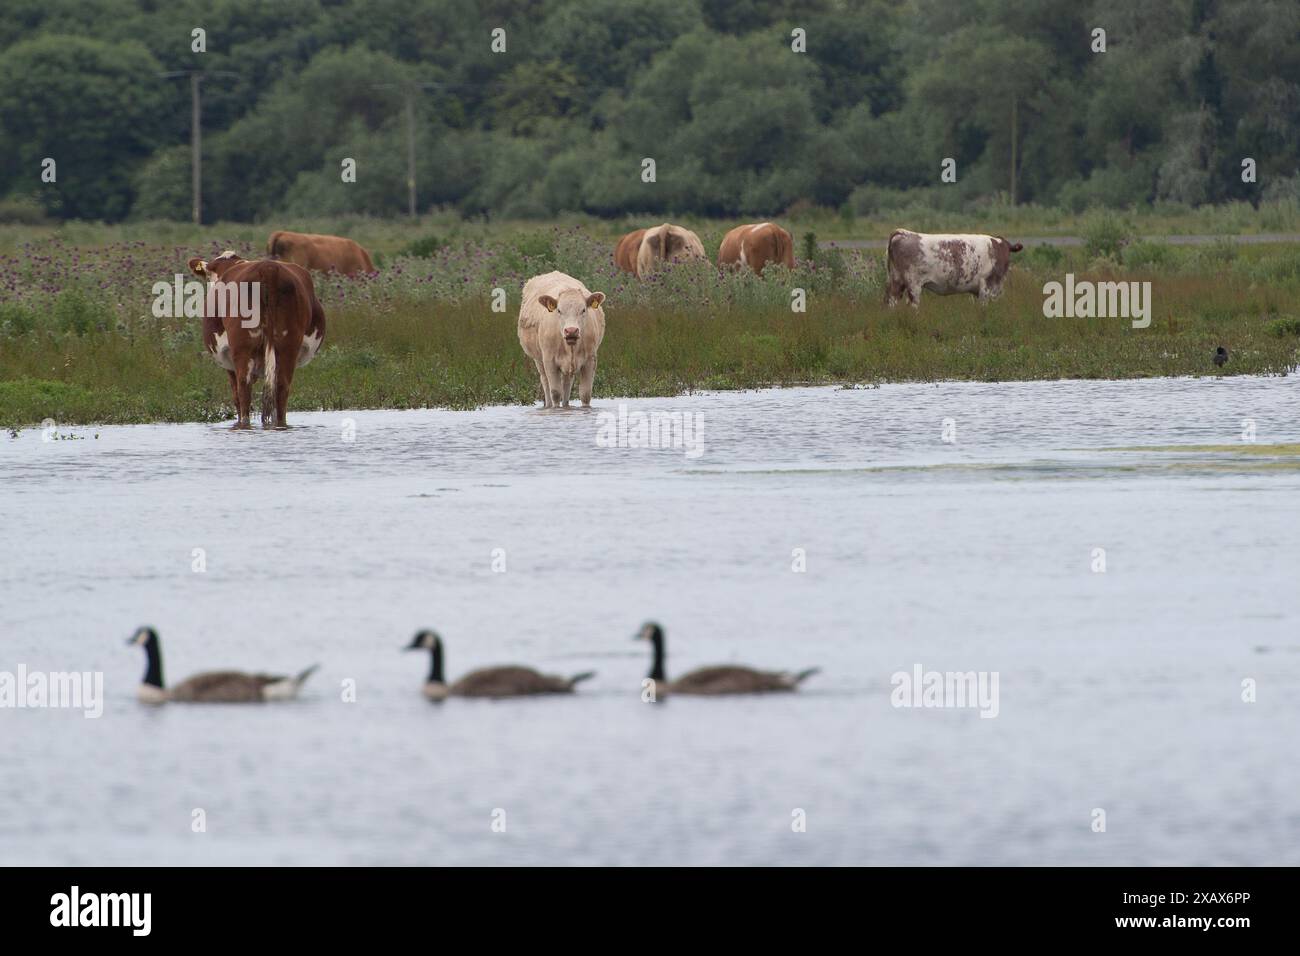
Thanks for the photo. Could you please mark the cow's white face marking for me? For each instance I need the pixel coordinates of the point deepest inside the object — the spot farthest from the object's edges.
(310, 345)
(221, 352)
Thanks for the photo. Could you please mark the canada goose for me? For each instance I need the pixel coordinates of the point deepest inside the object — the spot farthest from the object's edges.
(489, 681)
(1220, 356)
(725, 679)
(214, 687)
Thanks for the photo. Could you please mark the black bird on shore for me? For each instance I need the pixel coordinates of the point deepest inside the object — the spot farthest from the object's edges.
(1220, 356)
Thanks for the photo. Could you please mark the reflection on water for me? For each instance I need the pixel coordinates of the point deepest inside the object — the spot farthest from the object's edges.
(1119, 690)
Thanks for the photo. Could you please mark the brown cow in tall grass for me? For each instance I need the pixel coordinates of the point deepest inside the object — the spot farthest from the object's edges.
(321, 253)
(755, 245)
(641, 251)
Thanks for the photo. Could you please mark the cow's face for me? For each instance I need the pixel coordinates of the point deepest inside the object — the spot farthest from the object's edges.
(213, 269)
(574, 311)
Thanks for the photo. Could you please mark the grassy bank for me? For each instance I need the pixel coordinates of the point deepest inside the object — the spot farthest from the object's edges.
(388, 238)
(79, 342)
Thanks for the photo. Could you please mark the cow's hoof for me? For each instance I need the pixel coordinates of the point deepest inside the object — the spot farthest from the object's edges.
(241, 426)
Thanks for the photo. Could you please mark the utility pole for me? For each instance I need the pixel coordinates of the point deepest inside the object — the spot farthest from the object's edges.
(196, 135)
(410, 153)
(408, 94)
(196, 150)
(1013, 148)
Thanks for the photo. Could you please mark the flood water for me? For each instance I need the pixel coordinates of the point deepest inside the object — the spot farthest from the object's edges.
(1119, 690)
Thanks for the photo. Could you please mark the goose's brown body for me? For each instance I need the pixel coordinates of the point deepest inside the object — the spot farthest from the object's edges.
(721, 679)
(495, 682)
(212, 687)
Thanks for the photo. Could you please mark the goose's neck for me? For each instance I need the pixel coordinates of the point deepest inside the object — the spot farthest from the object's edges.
(153, 675)
(657, 668)
(435, 666)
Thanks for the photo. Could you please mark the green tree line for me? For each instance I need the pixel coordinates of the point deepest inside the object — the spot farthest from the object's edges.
(1016, 92)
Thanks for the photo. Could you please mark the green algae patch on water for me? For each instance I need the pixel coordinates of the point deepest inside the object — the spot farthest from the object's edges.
(1244, 448)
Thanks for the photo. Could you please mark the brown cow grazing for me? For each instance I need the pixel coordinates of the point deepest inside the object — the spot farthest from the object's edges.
(946, 264)
(756, 245)
(261, 320)
(639, 252)
(321, 253)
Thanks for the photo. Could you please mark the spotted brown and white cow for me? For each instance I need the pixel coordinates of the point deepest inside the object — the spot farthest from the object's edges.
(946, 264)
(641, 252)
(261, 320)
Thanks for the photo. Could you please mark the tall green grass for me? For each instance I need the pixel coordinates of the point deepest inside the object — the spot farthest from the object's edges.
(461, 354)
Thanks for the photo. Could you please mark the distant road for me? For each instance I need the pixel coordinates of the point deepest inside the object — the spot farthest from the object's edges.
(1078, 241)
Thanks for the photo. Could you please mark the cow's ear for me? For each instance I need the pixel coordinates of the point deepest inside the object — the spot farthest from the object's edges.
(548, 303)
(595, 299)
(198, 266)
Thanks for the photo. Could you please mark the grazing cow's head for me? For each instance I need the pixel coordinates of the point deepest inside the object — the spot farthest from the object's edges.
(213, 269)
(1002, 255)
(573, 310)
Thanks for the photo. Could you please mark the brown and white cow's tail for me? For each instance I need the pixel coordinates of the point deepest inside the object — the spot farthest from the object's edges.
(268, 383)
(270, 281)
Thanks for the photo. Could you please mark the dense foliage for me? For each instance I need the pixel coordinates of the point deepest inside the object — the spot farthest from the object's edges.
(736, 121)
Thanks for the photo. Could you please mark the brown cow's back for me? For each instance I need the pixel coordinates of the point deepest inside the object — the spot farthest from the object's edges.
(319, 252)
(755, 245)
(625, 252)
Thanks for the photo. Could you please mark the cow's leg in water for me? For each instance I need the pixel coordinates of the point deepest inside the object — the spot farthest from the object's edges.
(552, 383)
(285, 355)
(542, 389)
(234, 391)
(244, 390)
(566, 386)
(585, 381)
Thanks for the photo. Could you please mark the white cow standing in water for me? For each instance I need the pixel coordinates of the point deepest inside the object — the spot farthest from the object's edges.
(561, 324)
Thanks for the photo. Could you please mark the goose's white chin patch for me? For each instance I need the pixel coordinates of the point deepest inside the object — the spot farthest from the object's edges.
(435, 691)
(149, 694)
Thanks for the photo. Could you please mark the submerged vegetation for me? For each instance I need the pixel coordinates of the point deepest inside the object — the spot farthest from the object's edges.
(79, 340)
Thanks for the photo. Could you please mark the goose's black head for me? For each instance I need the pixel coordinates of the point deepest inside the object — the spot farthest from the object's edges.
(425, 640)
(652, 632)
(144, 637)
(147, 638)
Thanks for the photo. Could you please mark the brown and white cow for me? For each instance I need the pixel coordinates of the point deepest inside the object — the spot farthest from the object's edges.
(639, 252)
(946, 264)
(283, 332)
(321, 253)
(561, 325)
(756, 245)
